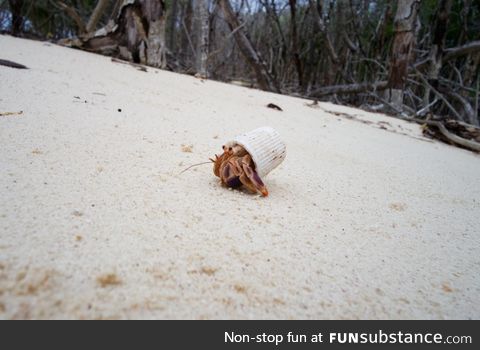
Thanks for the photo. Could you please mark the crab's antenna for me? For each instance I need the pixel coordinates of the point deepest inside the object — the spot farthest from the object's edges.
(194, 165)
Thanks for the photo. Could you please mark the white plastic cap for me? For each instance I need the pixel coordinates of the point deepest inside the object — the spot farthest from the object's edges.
(265, 146)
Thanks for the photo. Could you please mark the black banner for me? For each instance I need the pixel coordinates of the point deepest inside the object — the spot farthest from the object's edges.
(242, 334)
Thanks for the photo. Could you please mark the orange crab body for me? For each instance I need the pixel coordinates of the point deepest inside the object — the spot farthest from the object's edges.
(235, 168)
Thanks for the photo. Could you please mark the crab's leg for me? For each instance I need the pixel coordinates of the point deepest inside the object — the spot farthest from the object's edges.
(252, 176)
(216, 165)
(229, 173)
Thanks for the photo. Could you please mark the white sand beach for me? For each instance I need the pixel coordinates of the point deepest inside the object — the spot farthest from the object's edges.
(366, 218)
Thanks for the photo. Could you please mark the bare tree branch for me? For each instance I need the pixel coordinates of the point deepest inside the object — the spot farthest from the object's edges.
(72, 13)
(467, 107)
(440, 96)
(320, 23)
(462, 50)
(96, 15)
(251, 55)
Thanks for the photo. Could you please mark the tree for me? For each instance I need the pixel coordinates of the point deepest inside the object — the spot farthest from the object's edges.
(345, 51)
(96, 15)
(201, 13)
(318, 14)
(172, 20)
(136, 34)
(17, 17)
(265, 80)
(403, 45)
(294, 42)
(439, 34)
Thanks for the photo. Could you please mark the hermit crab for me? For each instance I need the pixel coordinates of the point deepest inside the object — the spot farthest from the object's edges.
(248, 158)
(235, 168)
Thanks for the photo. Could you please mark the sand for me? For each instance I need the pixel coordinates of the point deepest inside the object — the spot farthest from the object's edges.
(366, 218)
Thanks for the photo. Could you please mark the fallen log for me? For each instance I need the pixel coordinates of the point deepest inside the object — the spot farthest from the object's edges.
(349, 89)
(447, 136)
(451, 131)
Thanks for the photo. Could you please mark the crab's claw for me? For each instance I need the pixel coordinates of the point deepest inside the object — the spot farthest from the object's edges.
(253, 176)
(229, 175)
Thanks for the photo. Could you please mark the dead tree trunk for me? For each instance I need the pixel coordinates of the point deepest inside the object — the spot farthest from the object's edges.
(96, 15)
(153, 14)
(403, 44)
(438, 46)
(317, 9)
(137, 34)
(294, 40)
(472, 64)
(187, 51)
(252, 57)
(379, 38)
(172, 17)
(201, 14)
(17, 18)
(471, 76)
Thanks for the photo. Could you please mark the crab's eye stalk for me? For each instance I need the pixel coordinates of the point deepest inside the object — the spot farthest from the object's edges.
(230, 149)
(223, 147)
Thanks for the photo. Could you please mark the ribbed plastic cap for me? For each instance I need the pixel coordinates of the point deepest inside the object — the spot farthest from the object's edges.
(265, 146)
